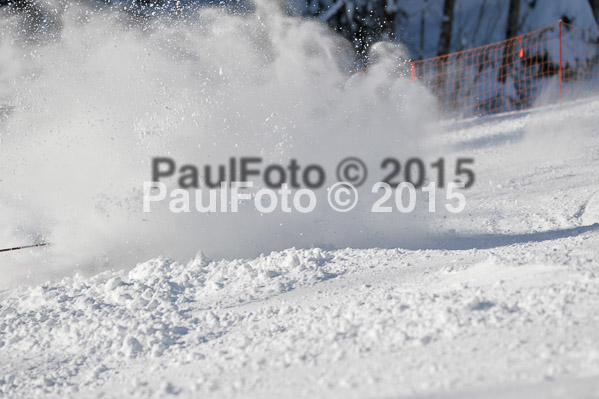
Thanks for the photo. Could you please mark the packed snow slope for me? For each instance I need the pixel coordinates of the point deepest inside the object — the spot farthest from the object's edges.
(503, 307)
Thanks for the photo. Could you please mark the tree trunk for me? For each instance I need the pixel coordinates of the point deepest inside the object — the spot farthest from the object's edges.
(595, 7)
(443, 49)
(513, 18)
(446, 27)
(422, 28)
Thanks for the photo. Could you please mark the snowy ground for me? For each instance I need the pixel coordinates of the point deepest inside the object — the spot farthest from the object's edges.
(504, 307)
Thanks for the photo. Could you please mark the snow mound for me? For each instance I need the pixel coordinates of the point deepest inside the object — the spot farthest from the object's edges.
(590, 214)
(144, 312)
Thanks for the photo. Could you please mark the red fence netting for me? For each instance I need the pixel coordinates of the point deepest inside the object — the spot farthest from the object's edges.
(542, 66)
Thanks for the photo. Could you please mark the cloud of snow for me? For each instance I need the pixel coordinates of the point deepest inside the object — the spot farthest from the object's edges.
(81, 117)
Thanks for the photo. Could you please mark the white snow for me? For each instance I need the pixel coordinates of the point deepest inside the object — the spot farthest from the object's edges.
(505, 307)
(499, 301)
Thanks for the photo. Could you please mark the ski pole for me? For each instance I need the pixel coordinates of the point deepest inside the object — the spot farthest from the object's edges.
(43, 244)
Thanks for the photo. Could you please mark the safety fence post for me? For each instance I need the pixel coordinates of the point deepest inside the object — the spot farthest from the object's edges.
(413, 70)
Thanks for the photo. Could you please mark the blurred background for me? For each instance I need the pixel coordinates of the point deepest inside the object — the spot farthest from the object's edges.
(427, 27)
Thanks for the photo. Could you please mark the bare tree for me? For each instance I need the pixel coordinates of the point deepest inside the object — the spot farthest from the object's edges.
(511, 31)
(422, 27)
(446, 27)
(513, 19)
(444, 45)
(595, 7)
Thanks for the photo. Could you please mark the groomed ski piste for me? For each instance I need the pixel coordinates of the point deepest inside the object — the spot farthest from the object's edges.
(498, 301)
(506, 307)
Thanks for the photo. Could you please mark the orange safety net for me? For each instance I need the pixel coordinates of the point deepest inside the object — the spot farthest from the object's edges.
(538, 67)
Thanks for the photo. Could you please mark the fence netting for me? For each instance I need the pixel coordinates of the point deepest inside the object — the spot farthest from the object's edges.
(543, 66)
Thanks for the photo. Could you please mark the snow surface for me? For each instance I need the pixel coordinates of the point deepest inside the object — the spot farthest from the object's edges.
(506, 306)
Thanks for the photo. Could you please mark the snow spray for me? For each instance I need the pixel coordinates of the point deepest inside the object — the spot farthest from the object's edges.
(84, 112)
